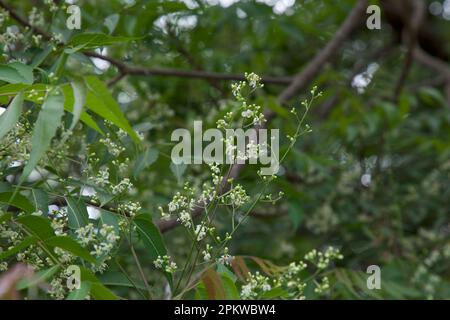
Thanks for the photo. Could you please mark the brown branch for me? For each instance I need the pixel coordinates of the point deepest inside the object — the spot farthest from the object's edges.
(378, 55)
(190, 59)
(201, 75)
(410, 32)
(440, 67)
(298, 83)
(195, 74)
(124, 69)
(23, 21)
(308, 74)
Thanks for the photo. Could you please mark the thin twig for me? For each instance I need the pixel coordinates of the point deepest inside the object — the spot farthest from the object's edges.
(125, 70)
(303, 79)
(410, 32)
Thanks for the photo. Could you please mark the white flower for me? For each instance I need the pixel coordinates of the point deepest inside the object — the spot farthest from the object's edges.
(247, 113)
(200, 232)
(172, 207)
(185, 218)
(266, 287)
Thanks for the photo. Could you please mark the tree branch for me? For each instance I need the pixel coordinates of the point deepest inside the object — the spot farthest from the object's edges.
(439, 66)
(300, 81)
(124, 69)
(410, 33)
(308, 74)
(23, 21)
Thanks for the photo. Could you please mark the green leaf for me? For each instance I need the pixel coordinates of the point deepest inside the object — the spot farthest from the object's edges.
(120, 280)
(37, 225)
(100, 101)
(81, 293)
(144, 160)
(150, 236)
(10, 117)
(25, 243)
(109, 218)
(16, 72)
(111, 22)
(152, 240)
(40, 277)
(40, 90)
(178, 170)
(69, 103)
(87, 40)
(25, 71)
(76, 213)
(296, 213)
(40, 199)
(70, 245)
(5, 216)
(273, 104)
(17, 201)
(41, 56)
(45, 128)
(79, 94)
(231, 292)
(275, 293)
(98, 290)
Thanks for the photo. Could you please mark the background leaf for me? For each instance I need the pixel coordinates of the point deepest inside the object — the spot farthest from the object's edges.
(48, 121)
(79, 94)
(12, 114)
(77, 214)
(88, 40)
(70, 245)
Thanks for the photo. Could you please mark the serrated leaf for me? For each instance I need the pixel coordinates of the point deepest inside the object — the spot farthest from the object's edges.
(231, 292)
(87, 40)
(40, 89)
(79, 94)
(100, 101)
(17, 201)
(98, 290)
(11, 74)
(76, 213)
(69, 101)
(109, 218)
(25, 71)
(120, 280)
(25, 243)
(275, 293)
(12, 114)
(152, 240)
(40, 199)
(70, 245)
(150, 236)
(37, 225)
(44, 130)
